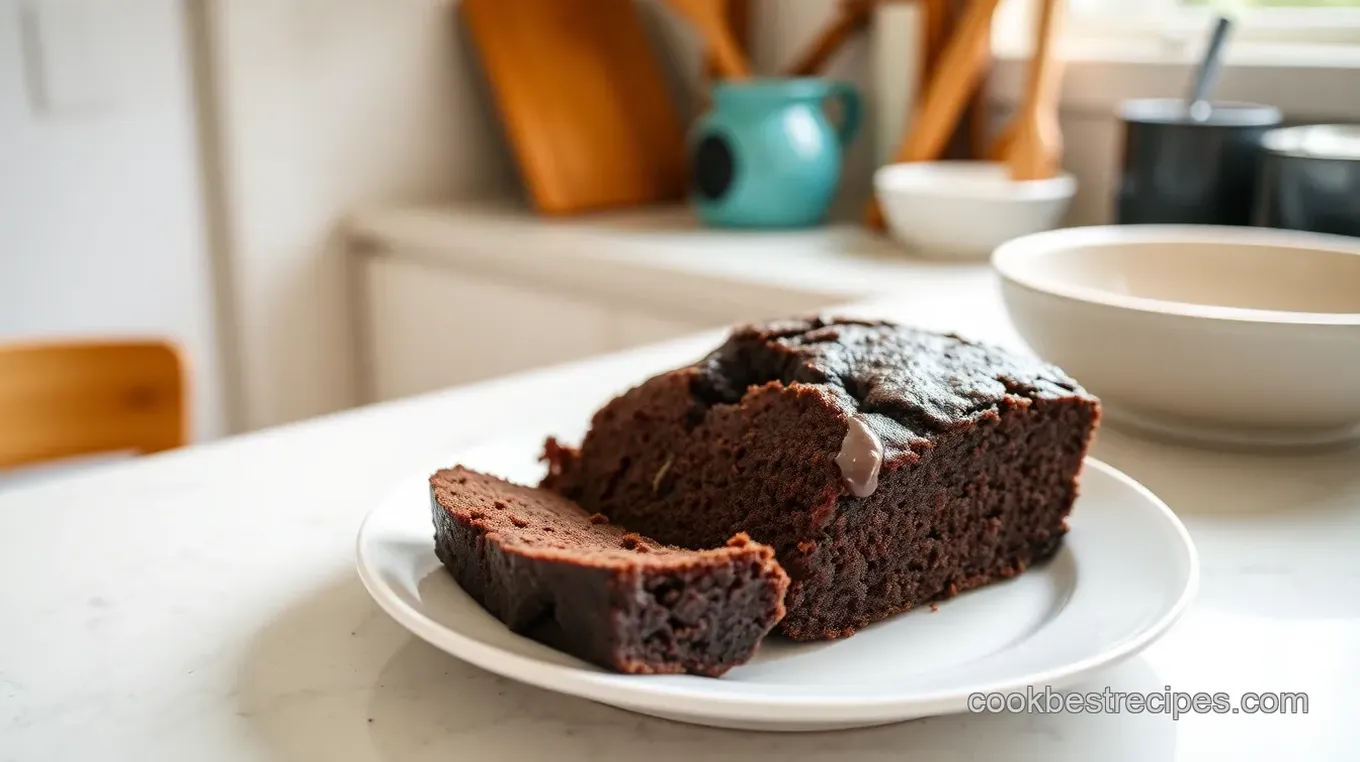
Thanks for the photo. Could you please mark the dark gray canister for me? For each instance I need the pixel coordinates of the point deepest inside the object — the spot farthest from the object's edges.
(1310, 179)
(1180, 169)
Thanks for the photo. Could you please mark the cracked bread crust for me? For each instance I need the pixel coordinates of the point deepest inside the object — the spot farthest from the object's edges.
(980, 455)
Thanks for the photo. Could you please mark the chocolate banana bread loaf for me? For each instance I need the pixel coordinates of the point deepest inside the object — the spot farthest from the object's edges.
(550, 570)
(888, 467)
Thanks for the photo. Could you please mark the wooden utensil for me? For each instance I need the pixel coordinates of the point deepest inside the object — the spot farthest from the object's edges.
(584, 101)
(935, 35)
(951, 84)
(710, 18)
(979, 113)
(1033, 150)
(851, 16)
(738, 13)
(940, 17)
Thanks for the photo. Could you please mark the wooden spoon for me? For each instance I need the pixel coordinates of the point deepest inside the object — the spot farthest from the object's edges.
(951, 85)
(1033, 150)
(710, 18)
(739, 28)
(852, 16)
(936, 35)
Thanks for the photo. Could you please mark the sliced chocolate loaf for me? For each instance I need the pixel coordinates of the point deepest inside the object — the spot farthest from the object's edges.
(887, 466)
(548, 569)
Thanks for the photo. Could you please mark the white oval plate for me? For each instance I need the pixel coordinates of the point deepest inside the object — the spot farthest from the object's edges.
(1125, 572)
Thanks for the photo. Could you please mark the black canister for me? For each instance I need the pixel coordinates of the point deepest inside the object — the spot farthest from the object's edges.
(1310, 179)
(1181, 169)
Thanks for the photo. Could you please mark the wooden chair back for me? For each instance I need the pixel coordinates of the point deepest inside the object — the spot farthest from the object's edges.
(65, 399)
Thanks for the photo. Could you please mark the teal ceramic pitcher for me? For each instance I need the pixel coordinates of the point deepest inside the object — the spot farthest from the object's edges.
(766, 155)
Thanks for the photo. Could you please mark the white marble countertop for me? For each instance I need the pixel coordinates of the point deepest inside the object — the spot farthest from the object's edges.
(203, 604)
(661, 254)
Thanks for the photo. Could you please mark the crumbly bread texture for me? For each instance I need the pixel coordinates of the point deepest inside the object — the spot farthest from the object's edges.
(888, 467)
(550, 570)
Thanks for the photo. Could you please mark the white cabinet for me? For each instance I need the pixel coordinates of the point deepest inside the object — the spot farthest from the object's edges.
(427, 327)
(455, 294)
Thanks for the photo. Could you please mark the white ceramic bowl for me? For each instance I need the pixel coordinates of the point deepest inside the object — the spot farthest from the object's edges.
(965, 209)
(1242, 336)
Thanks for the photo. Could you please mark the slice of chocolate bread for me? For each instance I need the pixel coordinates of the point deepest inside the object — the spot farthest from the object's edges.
(533, 558)
(887, 466)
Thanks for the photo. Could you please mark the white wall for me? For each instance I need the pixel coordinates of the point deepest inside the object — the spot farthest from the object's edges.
(326, 105)
(100, 226)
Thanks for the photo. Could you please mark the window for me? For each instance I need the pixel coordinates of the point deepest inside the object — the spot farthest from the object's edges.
(1300, 55)
(1287, 3)
(1187, 21)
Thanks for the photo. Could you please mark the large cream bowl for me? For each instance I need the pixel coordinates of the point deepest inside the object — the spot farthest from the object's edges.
(1241, 336)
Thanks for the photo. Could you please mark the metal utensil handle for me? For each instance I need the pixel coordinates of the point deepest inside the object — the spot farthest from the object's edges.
(1207, 73)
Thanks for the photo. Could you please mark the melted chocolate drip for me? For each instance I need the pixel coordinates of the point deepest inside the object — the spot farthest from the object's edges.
(860, 458)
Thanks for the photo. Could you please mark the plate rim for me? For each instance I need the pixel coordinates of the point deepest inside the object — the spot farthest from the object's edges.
(642, 693)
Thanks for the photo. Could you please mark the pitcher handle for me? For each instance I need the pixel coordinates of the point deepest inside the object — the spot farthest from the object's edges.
(852, 111)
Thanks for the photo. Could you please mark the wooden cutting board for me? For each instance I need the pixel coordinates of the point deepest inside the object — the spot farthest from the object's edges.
(584, 101)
